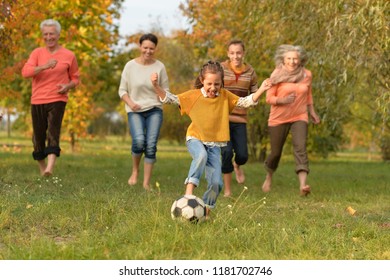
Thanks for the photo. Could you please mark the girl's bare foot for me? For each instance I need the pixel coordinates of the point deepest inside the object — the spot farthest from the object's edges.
(240, 176)
(147, 187)
(189, 189)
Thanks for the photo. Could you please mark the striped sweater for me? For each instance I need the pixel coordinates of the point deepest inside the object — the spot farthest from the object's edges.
(241, 84)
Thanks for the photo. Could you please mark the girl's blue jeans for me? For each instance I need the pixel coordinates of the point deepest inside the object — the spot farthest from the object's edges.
(205, 159)
(145, 130)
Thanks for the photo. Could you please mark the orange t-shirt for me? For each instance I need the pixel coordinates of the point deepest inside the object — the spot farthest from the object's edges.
(296, 111)
(45, 84)
(209, 116)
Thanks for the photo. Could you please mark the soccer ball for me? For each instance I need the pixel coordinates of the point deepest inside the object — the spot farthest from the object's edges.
(190, 208)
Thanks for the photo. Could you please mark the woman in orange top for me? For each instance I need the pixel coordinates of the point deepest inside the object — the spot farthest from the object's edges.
(291, 99)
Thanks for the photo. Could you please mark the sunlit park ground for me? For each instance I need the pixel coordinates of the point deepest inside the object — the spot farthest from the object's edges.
(87, 210)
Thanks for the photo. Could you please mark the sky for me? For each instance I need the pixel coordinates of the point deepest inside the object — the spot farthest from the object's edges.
(142, 15)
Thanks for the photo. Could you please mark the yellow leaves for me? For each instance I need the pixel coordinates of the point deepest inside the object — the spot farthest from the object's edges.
(83, 31)
(78, 111)
(351, 211)
(109, 20)
(158, 187)
(211, 31)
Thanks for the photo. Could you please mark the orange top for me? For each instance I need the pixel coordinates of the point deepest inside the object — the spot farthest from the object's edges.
(209, 116)
(296, 111)
(45, 84)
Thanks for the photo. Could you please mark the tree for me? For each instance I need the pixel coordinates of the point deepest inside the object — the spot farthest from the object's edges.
(348, 42)
(89, 30)
(349, 45)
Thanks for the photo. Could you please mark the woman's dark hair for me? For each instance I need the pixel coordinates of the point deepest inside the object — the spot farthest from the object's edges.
(150, 37)
(212, 67)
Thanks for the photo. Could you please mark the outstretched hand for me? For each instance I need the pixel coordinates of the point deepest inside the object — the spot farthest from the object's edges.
(266, 85)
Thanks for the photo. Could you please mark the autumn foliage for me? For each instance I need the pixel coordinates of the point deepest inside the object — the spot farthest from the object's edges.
(348, 43)
(88, 29)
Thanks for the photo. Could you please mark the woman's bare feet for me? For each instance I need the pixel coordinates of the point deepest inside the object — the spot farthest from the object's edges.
(133, 179)
(240, 176)
(305, 191)
(267, 183)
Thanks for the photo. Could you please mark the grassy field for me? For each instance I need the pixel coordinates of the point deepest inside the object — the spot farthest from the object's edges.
(87, 210)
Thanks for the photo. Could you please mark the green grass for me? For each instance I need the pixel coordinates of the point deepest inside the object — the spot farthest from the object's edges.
(87, 210)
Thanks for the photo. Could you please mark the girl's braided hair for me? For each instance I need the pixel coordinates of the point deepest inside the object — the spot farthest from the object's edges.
(212, 67)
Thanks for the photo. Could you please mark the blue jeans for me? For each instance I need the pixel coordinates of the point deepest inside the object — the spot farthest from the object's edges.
(205, 159)
(237, 147)
(144, 130)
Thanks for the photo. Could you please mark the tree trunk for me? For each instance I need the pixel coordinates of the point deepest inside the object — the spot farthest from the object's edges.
(72, 141)
(385, 148)
(8, 124)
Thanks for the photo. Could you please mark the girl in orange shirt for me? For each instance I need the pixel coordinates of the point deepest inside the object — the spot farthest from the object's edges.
(208, 107)
(291, 99)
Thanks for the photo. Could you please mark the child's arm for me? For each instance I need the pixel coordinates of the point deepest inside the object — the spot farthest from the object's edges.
(165, 97)
(265, 85)
(251, 100)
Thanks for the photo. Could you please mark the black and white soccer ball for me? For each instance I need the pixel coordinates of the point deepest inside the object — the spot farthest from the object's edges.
(190, 208)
